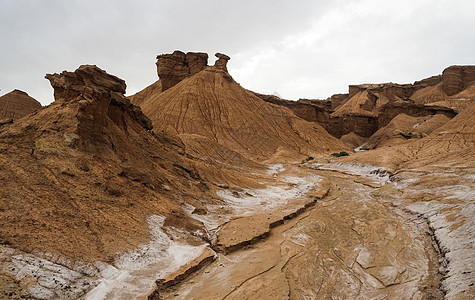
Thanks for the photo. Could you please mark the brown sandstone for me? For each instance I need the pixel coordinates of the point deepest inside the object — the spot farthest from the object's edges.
(173, 68)
(16, 104)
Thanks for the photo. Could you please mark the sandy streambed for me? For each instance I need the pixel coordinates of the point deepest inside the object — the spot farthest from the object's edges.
(348, 245)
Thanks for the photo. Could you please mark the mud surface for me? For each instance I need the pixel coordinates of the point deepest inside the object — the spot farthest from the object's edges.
(349, 245)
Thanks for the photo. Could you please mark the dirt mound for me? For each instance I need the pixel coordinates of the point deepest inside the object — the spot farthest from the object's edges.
(16, 104)
(353, 140)
(212, 105)
(403, 128)
(91, 173)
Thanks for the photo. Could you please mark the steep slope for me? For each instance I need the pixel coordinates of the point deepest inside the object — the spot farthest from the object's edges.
(369, 107)
(212, 105)
(452, 143)
(16, 104)
(91, 173)
(153, 89)
(403, 128)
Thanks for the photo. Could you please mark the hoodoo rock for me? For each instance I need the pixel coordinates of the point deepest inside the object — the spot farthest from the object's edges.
(222, 61)
(173, 68)
(457, 78)
(16, 104)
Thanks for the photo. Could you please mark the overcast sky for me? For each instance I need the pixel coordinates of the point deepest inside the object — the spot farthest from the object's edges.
(301, 49)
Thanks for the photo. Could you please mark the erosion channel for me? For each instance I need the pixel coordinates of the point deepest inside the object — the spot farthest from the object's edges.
(349, 245)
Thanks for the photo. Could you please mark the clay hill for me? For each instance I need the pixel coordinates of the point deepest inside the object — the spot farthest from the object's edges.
(403, 128)
(16, 104)
(81, 176)
(451, 143)
(369, 107)
(208, 110)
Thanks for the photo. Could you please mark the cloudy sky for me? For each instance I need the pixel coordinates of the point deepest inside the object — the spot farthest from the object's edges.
(301, 49)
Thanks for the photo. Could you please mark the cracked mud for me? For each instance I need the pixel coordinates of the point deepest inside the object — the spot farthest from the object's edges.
(349, 245)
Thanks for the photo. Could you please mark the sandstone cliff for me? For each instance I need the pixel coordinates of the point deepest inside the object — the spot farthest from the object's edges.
(173, 68)
(369, 107)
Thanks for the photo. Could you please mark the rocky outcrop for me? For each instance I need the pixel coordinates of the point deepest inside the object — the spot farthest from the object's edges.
(88, 160)
(173, 68)
(456, 78)
(210, 105)
(386, 89)
(222, 61)
(362, 124)
(100, 95)
(430, 81)
(16, 104)
(369, 107)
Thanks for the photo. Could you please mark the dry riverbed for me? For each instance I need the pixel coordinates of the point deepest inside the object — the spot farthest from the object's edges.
(349, 245)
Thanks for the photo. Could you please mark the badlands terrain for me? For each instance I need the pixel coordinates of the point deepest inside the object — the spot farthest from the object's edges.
(196, 188)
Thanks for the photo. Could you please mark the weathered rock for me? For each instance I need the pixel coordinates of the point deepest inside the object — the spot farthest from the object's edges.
(173, 68)
(430, 81)
(386, 89)
(456, 78)
(369, 107)
(196, 61)
(364, 115)
(104, 92)
(16, 104)
(88, 81)
(403, 128)
(235, 123)
(222, 61)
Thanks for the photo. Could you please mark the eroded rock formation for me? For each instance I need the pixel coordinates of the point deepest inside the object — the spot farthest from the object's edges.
(222, 61)
(210, 111)
(173, 68)
(16, 104)
(456, 78)
(369, 107)
(101, 96)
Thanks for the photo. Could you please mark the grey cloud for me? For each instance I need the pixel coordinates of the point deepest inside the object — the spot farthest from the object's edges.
(370, 41)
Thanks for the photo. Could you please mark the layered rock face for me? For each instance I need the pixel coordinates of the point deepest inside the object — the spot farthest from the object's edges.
(100, 97)
(456, 78)
(16, 104)
(89, 151)
(173, 68)
(369, 107)
(210, 108)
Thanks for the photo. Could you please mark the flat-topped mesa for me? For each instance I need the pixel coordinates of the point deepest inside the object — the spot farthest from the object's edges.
(457, 78)
(173, 68)
(389, 89)
(222, 61)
